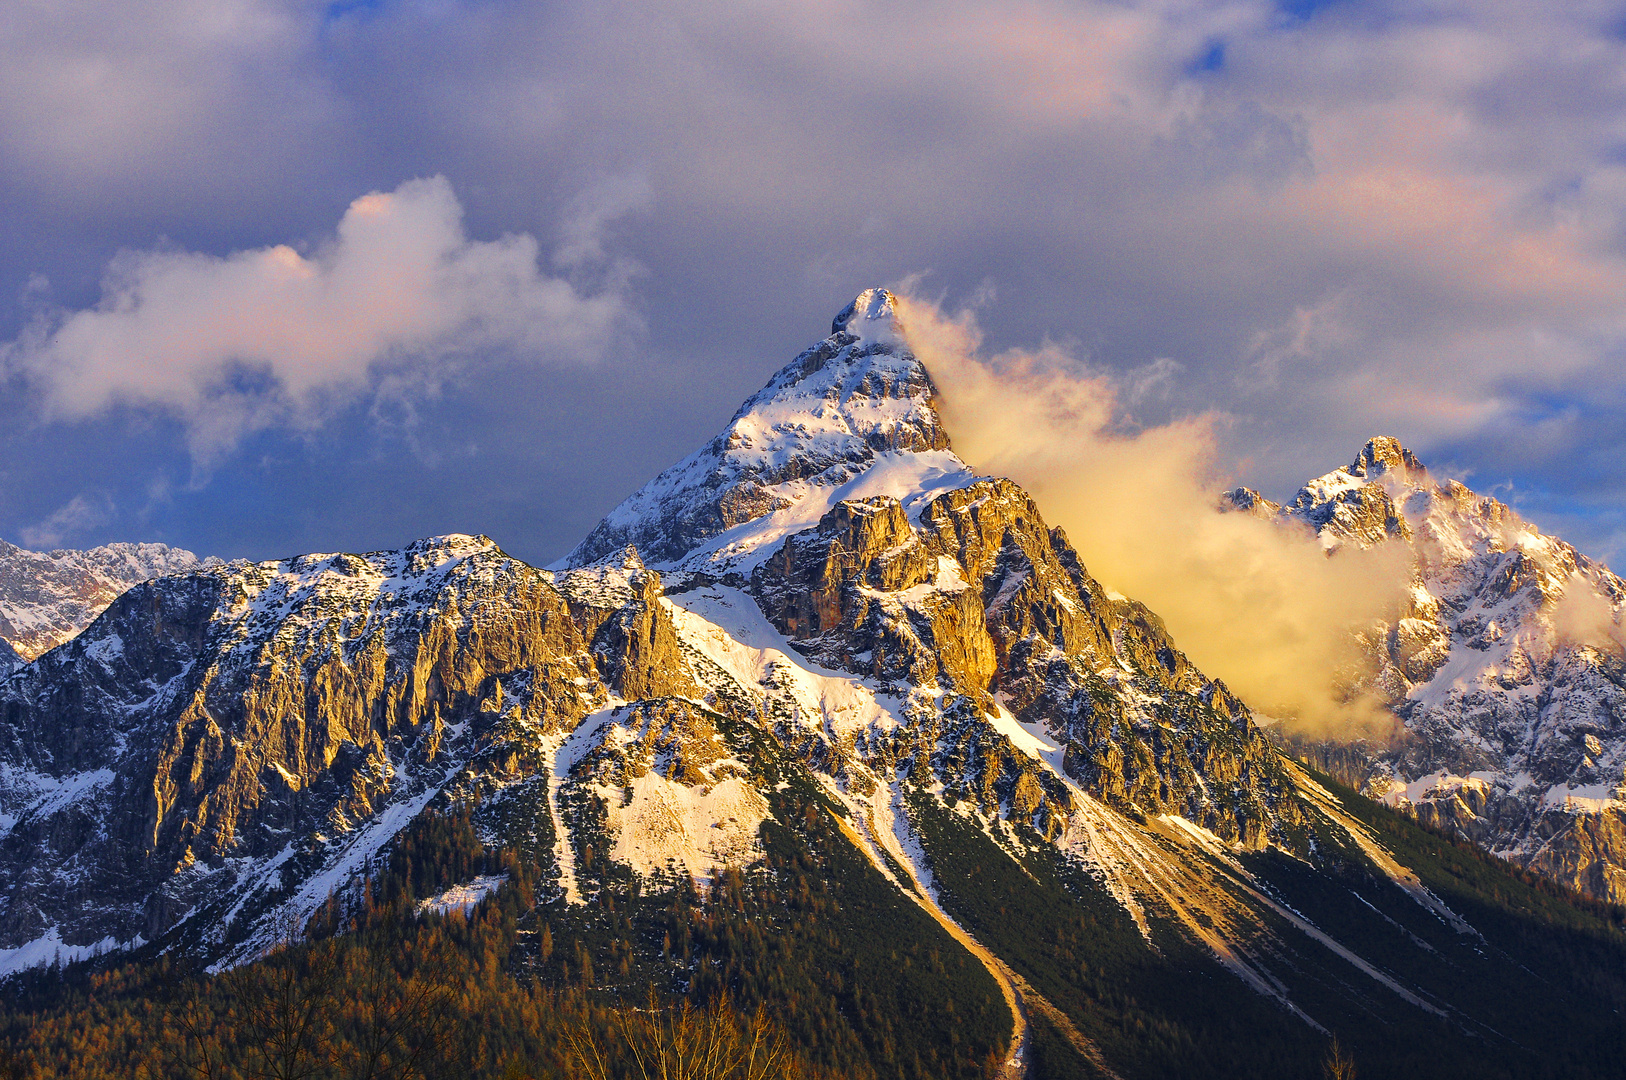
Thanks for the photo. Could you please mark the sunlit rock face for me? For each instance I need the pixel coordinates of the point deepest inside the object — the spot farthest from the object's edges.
(981, 600)
(48, 597)
(218, 741)
(1503, 659)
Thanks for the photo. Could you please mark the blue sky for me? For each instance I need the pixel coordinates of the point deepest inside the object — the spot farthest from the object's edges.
(288, 276)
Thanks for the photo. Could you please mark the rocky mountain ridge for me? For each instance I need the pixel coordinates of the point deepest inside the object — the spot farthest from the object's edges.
(1504, 662)
(46, 597)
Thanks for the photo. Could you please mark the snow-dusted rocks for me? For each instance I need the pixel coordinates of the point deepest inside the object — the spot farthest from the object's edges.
(48, 597)
(1504, 660)
(242, 739)
(851, 416)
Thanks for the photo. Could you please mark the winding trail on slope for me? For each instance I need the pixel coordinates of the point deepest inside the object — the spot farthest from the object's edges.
(1019, 996)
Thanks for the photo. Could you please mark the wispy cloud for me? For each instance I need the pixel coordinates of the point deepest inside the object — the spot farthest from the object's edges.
(398, 298)
(79, 515)
(1252, 603)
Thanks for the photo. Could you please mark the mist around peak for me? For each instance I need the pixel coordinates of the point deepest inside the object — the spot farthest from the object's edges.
(1250, 602)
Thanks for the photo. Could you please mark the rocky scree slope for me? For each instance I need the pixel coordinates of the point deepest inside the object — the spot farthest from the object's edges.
(1504, 661)
(48, 597)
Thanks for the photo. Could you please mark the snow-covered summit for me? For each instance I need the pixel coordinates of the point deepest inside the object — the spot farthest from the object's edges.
(48, 597)
(1504, 660)
(850, 417)
(873, 315)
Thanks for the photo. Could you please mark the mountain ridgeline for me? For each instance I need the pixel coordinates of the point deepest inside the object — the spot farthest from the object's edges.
(48, 597)
(818, 721)
(1504, 662)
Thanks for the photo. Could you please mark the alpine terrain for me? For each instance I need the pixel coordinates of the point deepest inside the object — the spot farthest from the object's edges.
(1504, 661)
(819, 721)
(48, 597)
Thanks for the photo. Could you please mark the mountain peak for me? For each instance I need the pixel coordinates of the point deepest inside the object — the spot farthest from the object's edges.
(1381, 454)
(1248, 501)
(850, 416)
(46, 597)
(872, 314)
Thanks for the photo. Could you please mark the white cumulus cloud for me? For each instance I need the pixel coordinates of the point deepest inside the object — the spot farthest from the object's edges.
(230, 344)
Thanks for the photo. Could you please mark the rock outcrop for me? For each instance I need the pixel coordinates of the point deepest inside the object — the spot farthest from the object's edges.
(983, 600)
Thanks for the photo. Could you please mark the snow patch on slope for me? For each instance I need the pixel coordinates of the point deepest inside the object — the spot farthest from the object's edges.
(463, 897)
(669, 826)
(726, 626)
(49, 948)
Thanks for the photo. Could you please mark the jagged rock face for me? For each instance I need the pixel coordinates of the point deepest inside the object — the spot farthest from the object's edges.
(210, 724)
(48, 597)
(1504, 662)
(984, 599)
(819, 423)
(848, 593)
(631, 635)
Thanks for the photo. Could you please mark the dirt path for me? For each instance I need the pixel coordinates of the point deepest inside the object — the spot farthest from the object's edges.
(1063, 1023)
(1010, 984)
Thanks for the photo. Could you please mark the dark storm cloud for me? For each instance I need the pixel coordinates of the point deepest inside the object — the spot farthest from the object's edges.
(1335, 220)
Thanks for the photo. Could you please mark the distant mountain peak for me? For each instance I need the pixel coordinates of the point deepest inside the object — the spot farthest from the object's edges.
(1248, 501)
(1502, 659)
(1382, 454)
(47, 597)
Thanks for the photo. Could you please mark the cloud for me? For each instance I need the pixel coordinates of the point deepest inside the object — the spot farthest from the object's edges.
(1356, 218)
(188, 95)
(398, 298)
(1256, 605)
(1582, 615)
(79, 515)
